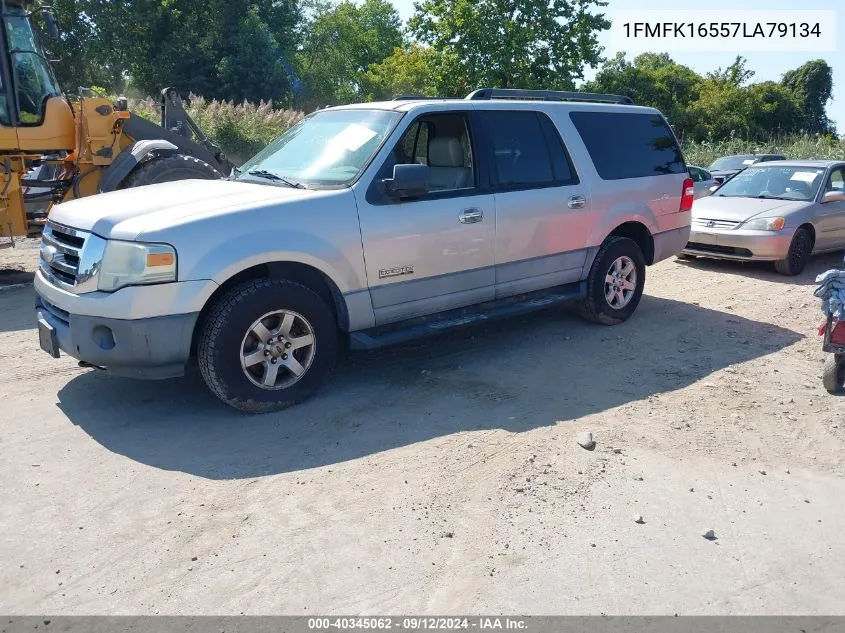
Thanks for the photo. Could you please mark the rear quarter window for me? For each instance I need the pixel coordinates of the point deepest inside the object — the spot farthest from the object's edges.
(629, 145)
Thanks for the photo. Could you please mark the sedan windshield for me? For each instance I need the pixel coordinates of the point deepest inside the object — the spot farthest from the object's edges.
(328, 148)
(732, 162)
(779, 183)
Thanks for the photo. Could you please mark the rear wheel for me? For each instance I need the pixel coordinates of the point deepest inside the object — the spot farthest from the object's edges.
(170, 169)
(834, 374)
(267, 344)
(798, 255)
(616, 281)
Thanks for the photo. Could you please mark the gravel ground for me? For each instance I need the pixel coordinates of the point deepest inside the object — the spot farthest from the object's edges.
(446, 476)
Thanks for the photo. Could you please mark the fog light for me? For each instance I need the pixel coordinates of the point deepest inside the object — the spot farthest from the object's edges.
(103, 337)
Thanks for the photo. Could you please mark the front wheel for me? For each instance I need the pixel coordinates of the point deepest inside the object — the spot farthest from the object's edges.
(267, 344)
(616, 282)
(834, 374)
(799, 254)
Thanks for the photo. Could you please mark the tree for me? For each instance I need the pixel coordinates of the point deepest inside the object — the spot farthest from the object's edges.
(415, 70)
(513, 43)
(341, 41)
(253, 70)
(812, 86)
(226, 49)
(736, 74)
(85, 50)
(652, 80)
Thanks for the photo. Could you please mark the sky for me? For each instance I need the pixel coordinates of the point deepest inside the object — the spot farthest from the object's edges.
(767, 65)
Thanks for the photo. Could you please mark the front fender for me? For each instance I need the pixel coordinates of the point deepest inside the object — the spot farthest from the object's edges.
(262, 248)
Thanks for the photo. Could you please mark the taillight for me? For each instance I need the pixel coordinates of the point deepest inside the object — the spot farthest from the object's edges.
(837, 335)
(688, 195)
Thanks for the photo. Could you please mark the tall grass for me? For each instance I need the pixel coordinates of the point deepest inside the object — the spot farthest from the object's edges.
(244, 129)
(241, 130)
(796, 146)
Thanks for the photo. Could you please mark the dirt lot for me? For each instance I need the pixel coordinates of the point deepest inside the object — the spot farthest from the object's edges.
(444, 477)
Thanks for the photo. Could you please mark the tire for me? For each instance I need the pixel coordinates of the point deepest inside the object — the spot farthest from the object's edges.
(229, 351)
(834, 375)
(798, 255)
(170, 169)
(596, 307)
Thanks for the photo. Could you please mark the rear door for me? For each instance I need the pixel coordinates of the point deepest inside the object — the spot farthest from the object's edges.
(541, 207)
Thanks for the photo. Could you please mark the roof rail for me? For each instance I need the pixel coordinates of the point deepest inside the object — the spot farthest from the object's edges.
(421, 98)
(545, 95)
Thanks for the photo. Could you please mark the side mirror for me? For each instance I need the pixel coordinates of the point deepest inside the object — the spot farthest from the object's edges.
(713, 188)
(409, 181)
(833, 196)
(51, 24)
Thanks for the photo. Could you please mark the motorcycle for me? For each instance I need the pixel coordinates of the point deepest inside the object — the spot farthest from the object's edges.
(833, 331)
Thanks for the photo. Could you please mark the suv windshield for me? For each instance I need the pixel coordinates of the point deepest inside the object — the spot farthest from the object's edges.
(732, 162)
(328, 148)
(782, 183)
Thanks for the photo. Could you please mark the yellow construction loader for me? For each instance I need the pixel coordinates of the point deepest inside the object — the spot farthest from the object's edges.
(54, 149)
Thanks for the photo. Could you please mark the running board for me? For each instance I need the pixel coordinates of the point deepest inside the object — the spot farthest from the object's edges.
(493, 310)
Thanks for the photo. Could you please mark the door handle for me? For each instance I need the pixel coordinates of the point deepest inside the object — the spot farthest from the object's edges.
(470, 216)
(577, 202)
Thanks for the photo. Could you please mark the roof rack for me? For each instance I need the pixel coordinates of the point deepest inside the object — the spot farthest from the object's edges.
(421, 98)
(545, 95)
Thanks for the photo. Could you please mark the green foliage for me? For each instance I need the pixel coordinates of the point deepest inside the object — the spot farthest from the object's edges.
(411, 70)
(654, 80)
(254, 63)
(722, 104)
(812, 86)
(512, 43)
(311, 53)
(220, 48)
(342, 41)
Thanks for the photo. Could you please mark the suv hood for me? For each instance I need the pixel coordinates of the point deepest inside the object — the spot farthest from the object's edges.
(125, 214)
(741, 209)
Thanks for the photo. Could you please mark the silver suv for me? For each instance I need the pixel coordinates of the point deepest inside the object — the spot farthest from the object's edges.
(375, 223)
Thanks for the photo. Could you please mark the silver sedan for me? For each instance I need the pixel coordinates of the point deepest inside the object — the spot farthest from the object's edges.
(703, 180)
(781, 212)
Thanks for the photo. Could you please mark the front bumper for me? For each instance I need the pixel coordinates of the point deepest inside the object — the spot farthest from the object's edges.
(154, 347)
(739, 244)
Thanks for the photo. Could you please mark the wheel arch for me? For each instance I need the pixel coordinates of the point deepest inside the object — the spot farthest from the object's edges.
(639, 233)
(811, 230)
(305, 274)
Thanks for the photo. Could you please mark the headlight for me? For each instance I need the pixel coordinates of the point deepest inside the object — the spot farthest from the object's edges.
(764, 224)
(134, 263)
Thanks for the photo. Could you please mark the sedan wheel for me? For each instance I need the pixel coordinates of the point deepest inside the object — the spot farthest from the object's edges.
(798, 255)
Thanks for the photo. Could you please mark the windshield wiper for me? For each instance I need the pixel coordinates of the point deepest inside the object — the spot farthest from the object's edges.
(269, 175)
(764, 197)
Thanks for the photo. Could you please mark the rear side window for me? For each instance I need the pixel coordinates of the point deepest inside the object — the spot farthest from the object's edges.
(629, 145)
(527, 150)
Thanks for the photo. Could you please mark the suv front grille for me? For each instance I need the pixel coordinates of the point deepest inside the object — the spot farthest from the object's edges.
(61, 249)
